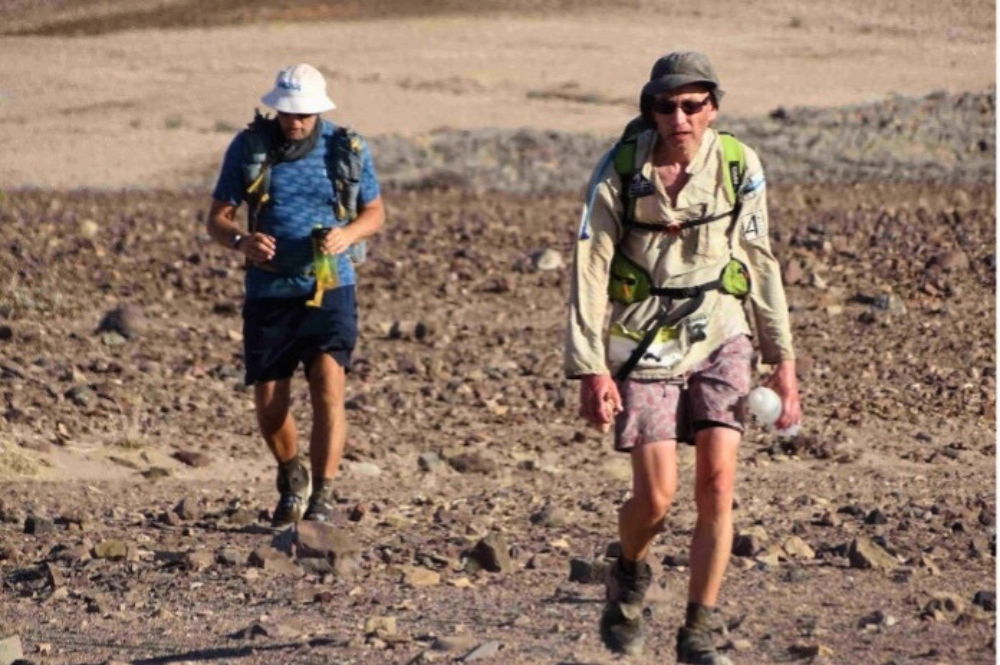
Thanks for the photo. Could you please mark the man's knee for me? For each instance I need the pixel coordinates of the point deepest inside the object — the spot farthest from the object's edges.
(714, 492)
(654, 504)
(272, 405)
(326, 381)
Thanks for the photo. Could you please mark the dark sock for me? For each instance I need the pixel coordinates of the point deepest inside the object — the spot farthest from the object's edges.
(288, 465)
(629, 567)
(292, 475)
(698, 617)
(323, 486)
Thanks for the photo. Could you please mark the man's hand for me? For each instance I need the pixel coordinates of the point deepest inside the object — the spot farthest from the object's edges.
(257, 247)
(599, 400)
(784, 382)
(337, 240)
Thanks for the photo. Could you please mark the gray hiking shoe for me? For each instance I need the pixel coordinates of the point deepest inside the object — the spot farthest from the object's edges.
(624, 618)
(321, 503)
(293, 487)
(289, 509)
(696, 648)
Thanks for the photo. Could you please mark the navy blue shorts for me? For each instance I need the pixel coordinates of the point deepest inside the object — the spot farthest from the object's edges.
(280, 333)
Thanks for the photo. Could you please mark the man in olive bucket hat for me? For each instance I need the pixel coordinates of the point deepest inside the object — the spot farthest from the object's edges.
(312, 196)
(673, 243)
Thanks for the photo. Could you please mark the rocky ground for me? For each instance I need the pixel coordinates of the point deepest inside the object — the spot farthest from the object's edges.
(869, 539)
(477, 511)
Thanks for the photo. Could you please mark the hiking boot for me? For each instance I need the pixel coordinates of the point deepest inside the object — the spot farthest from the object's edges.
(624, 618)
(289, 509)
(694, 647)
(293, 487)
(321, 503)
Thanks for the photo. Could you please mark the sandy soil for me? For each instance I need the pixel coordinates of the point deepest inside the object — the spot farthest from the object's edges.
(146, 108)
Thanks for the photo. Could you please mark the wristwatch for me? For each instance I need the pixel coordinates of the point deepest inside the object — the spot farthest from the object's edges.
(237, 239)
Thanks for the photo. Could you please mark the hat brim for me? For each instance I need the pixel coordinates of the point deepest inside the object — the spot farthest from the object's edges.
(674, 81)
(280, 100)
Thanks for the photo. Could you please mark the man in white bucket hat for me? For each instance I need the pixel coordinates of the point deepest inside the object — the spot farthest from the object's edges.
(312, 198)
(299, 89)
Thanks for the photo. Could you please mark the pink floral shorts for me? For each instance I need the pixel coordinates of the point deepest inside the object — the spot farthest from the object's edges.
(663, 410)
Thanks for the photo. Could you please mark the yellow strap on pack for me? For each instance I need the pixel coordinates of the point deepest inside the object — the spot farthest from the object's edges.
(663, 335)
(256, 183)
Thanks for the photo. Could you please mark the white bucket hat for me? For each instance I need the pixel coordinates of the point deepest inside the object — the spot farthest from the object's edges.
(299, 89)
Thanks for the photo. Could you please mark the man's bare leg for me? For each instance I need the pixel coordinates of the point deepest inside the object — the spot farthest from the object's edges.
(712, 543)
(654, 482)
(329, 432)
(272, 401)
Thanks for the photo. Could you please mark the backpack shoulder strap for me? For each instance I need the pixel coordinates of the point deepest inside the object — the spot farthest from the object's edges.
(256, 166)
(735, 165)
(344, 169)
(255, 159)
(624, 161)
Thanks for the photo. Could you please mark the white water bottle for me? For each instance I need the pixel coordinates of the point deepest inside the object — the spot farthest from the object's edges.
(765, 405)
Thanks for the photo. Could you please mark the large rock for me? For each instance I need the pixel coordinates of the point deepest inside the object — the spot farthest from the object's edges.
(418, 576)
(230, 556)
(37, 525)
(550, 516)
(127, 320)
(10, 650)
(385, 625)
(863, 553)
(192, 458)
(547, 259)
(483, 651)
(322, 541)
(53, 575)
(586, 571)
(316, 539)
(749, 541)
(796, 548)
(472, 462)
(492, 554)
(188, 509)
(430, 462)
(986, 600)
(112, 549)
(274, 561)
(199, 559)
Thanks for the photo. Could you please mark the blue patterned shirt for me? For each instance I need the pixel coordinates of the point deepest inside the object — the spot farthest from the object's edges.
(301, 198)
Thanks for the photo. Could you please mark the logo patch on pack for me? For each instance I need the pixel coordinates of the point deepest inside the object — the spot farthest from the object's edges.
(754, 186)
(753, 226)
(639, 186)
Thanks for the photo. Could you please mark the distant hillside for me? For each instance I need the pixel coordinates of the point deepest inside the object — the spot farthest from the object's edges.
(94, 17)
(939, 138)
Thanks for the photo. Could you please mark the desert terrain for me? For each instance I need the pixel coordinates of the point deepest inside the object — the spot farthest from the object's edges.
(477, 510)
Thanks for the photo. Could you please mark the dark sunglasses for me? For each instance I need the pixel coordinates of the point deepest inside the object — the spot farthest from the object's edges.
(296, 116)
(689, 106)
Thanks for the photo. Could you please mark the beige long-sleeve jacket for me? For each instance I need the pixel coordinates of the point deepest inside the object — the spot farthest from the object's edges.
(693, 257)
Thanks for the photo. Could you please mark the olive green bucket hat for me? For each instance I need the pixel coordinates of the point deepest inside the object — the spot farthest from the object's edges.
(682, 68)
